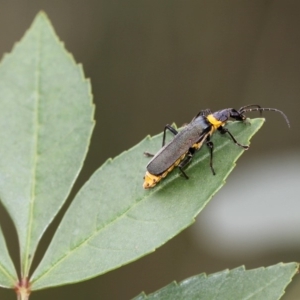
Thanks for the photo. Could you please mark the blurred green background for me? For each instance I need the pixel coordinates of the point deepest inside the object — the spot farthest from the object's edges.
(156, 62)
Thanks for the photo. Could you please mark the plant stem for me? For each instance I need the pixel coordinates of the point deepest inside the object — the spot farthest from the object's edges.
(23, 289)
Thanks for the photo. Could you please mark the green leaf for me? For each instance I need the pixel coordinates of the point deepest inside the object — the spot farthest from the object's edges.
(113, 220)
(8, 274)
(46, 120)
(259, 284)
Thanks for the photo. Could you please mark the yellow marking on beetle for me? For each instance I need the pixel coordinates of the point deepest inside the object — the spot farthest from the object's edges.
(198, 145)
(151, 180)
(214, 122)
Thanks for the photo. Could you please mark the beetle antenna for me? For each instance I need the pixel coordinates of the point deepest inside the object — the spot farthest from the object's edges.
(261, 109)
(246, 107)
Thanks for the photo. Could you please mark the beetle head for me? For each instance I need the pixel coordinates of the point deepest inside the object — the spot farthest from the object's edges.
(237, 114)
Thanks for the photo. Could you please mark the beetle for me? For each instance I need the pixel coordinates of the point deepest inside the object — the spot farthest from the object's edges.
(181, 149)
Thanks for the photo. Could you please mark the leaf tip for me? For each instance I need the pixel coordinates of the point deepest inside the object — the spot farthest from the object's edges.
(41, 17)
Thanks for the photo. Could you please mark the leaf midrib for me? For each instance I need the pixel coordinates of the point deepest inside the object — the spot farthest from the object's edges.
(27, 260)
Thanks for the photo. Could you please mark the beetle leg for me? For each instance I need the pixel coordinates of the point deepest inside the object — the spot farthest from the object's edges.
(203, 112)
(224, 130)
(210, 145)
(148, 154)
(183, 173)
(184, 163)
(173, 130)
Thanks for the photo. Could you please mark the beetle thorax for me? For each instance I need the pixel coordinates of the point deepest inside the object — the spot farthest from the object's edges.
(222, 115)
